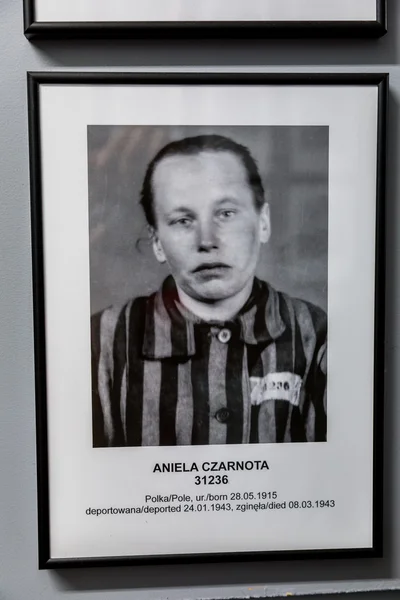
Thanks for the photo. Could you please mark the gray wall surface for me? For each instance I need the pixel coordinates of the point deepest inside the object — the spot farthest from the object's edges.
(19, 577)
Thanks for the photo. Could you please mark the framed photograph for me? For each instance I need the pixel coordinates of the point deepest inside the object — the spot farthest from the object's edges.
(209, 18)
(209, 315)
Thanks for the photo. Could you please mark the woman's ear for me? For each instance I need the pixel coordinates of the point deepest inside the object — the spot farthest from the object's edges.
(157, 247)
(265, 223)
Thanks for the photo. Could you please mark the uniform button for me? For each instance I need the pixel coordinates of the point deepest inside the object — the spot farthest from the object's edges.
(222, 415)
(224, 336)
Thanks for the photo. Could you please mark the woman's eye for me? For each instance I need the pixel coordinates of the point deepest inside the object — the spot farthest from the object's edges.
(184, 221)
(226, 214)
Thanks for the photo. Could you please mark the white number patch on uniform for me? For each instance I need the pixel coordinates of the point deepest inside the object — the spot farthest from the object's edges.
(276, 386)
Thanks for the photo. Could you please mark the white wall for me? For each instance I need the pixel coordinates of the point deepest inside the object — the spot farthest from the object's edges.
(19, 577)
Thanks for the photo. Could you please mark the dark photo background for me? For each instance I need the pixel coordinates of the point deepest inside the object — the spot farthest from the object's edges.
(293, 163)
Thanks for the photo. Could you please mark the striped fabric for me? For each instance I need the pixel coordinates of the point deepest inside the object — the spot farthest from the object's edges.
(160, 376)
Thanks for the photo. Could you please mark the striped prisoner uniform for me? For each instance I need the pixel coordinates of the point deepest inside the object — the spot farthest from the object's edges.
(161, 376)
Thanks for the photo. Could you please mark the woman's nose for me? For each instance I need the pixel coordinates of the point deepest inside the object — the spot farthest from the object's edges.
(207, 237)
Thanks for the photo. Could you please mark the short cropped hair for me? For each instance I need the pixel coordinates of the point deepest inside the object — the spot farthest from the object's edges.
(190, 146)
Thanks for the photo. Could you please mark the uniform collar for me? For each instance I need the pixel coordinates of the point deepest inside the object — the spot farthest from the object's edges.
(170, 328)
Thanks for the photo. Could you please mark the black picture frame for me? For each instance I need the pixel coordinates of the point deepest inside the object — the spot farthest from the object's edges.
(34, 82)
(205, 29)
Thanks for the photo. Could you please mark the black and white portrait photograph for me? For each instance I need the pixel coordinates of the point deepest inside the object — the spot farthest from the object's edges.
(208, 275)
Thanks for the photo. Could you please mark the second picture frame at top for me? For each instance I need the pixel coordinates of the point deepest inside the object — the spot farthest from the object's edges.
(210, 18)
